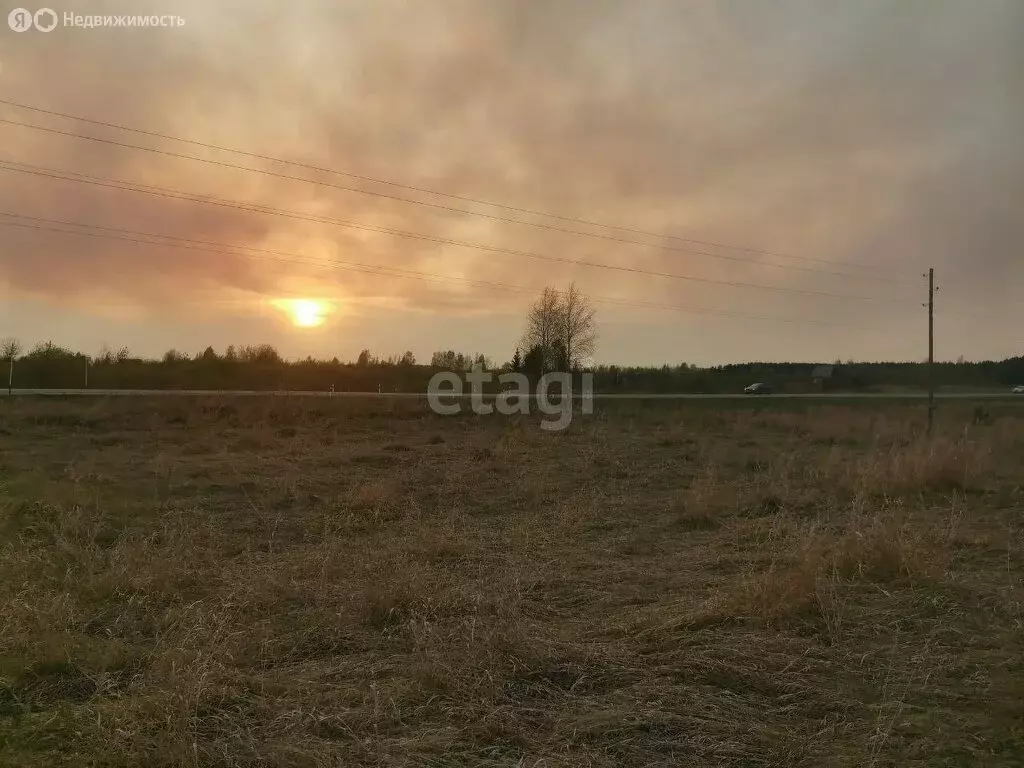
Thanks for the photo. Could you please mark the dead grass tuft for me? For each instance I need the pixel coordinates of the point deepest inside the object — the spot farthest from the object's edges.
(805, 580)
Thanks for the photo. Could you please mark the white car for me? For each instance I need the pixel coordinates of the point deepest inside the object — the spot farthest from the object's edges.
(1018, 390)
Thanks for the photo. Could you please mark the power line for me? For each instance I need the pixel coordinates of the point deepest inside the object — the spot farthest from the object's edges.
(75, 176)
(228, 250)
(411, 188)
(231, 250)
(437, 206)
(974, 315)
(83, 178)
(128, 187)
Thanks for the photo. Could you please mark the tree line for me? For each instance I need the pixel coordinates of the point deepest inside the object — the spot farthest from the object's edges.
(262, 368)
(560, 335)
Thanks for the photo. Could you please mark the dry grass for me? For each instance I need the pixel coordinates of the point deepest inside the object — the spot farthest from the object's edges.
(272, 582)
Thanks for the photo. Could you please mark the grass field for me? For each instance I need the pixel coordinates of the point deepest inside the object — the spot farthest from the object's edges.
(272, 582)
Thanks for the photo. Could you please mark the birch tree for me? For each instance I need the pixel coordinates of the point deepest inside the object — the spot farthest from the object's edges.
(579, 329)
(9, 350)
(562, 324)
(543, 325)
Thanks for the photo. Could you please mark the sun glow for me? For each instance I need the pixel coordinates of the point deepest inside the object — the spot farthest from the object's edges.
(305, 313)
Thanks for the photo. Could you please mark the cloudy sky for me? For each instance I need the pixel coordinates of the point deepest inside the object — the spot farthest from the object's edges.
(788, 169)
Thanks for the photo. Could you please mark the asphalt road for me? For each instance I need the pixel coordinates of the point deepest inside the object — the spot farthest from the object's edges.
(423, 395)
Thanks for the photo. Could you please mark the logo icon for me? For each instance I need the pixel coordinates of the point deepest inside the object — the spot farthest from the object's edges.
(45, 20)
(19, 20)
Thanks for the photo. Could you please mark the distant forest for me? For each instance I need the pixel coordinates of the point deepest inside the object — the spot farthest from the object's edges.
(48, 366)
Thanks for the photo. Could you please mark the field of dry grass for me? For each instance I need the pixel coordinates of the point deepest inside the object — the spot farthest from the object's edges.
(272, 582)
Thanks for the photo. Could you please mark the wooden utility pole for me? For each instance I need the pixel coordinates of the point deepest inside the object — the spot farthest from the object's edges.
(931, 350)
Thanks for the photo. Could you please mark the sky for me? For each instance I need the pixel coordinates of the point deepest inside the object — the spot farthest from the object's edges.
(786, 170)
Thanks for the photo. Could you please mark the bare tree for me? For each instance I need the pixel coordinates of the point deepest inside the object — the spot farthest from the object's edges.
(451, 360)
(544, 325)
(562, 325)
(174, 356)
(10, 348)
(259, 353)
(579, 330)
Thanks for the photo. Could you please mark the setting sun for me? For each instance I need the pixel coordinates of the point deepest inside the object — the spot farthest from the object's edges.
(305, 313)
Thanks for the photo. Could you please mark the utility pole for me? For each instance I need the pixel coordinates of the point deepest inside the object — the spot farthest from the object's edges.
(87, 373)
(931, 350)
